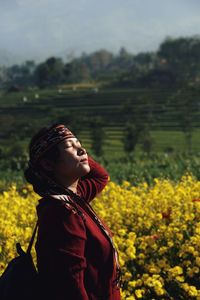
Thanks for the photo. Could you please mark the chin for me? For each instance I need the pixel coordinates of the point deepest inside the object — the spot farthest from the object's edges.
(84, 170)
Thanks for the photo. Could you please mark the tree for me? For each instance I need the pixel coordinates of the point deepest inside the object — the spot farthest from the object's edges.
(182, 55)
(137, 126)
(97, 135)
(84, 72)
(51, 72)
(131, 136)
(146, 140)
(186, 105)
(3, 76)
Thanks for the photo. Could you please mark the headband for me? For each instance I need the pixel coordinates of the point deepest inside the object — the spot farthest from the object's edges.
(52, 137)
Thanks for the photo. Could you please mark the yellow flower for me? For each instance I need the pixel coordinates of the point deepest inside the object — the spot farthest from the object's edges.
(154, 269)
(180, 278)
(176, 271)
(192, 291)
(159, 291)
(149, 245)
(132, 283)
(130, 298)
(139, 293)
(197, 260)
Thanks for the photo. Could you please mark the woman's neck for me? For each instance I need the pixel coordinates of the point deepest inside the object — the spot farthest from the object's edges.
(73, 187)
(70, 184)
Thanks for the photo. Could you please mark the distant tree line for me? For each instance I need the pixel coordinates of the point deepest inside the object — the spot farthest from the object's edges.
(176, 62)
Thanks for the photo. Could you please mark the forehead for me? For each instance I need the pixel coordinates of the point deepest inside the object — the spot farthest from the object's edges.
(68, 140)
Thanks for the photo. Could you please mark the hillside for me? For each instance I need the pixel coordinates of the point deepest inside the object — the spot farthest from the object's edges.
(164, 111)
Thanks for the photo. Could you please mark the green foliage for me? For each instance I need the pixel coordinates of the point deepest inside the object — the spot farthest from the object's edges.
(50, 72)
(176, 63)
(97, 136)
(187, 105)
(131, 136)
(144, 168)
(134, 168)
(182, 56)
(158, 115)
(136, 128)
(147, 142)
(19, 75)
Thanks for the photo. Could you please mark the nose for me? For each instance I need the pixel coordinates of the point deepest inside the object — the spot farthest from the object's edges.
(81, 151)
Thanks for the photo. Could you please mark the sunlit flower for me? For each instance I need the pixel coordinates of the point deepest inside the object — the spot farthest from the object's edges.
(156, 231)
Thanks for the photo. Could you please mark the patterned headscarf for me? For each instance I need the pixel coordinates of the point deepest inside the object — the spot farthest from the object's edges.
(52, 137)
(44, 184)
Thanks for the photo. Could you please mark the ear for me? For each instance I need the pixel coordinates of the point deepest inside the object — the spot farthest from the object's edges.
(47, 165)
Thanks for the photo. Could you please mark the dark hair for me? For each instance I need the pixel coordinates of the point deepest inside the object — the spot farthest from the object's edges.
(32, 169)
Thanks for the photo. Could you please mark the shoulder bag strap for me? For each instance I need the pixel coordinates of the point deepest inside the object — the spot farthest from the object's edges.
(28, 251)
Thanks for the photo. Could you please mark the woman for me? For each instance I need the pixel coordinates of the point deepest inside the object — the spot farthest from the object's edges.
(75, 254)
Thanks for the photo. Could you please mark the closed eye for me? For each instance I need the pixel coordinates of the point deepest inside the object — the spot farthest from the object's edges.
(68, 146)
(73, 144)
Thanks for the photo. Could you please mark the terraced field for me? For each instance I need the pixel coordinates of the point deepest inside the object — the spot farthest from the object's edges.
(114, 106)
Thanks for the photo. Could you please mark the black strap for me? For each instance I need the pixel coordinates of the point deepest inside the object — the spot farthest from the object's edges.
(28, 251)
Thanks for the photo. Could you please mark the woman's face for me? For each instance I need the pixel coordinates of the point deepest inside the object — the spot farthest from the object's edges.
(72, 162)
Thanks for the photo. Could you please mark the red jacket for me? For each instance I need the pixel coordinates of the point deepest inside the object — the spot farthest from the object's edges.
(74, 256)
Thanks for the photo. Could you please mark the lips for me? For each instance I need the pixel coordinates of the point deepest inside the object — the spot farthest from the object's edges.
(84, 160)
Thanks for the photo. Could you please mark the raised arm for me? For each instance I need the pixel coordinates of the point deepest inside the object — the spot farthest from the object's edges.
(94, 182)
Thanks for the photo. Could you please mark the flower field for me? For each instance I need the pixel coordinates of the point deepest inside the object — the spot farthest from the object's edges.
(156, 230)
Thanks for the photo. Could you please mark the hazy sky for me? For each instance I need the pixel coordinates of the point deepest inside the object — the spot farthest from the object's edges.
(40, 28)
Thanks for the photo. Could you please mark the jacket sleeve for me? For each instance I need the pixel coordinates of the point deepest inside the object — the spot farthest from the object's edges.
(60, 253)
(94, 182)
